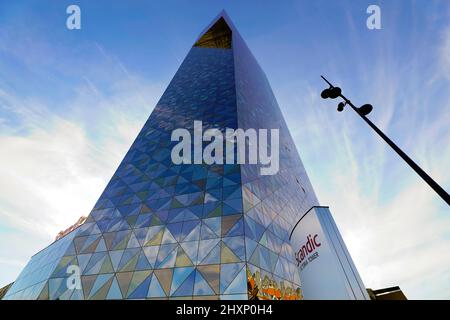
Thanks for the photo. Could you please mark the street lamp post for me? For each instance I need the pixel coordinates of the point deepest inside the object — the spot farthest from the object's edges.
(335, 92)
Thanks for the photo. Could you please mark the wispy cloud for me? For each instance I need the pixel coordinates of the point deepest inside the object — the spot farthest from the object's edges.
(55, 164)
(397, 229)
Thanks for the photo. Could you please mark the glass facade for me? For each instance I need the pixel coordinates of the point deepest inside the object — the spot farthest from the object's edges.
(189, 231)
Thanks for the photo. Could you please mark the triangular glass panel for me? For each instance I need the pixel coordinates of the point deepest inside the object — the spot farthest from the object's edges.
(155, 289)
(228, 272)
(179, 276)
(186, 288)
(239, 284)
(114, 292)
(201, 286)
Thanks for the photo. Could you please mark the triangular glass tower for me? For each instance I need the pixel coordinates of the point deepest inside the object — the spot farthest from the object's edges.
(166, 231)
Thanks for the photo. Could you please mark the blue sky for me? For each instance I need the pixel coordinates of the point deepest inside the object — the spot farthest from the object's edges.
(71, 103)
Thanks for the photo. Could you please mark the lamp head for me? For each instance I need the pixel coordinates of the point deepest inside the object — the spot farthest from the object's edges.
(334, 92)
(325, 94)
(364, 110)
(341, 106)
(331, 92)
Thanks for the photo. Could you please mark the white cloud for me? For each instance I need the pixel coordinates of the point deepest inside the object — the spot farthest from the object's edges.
(54, 172)
(444, 54)
(54, 167)
(397, 229)
(400, 238)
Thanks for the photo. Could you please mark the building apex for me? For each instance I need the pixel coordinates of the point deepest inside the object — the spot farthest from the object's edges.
(219, 35)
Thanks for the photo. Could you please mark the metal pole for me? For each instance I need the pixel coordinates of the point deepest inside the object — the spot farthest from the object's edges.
(433, 184)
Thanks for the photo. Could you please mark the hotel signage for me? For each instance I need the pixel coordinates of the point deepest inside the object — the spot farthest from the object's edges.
(326, 268)
(79, 222)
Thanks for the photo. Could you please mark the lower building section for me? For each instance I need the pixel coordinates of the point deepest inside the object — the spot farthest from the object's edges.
(62, 272)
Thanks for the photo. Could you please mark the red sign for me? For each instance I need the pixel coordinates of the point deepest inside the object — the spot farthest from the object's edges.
(311, 244)
(80, 221)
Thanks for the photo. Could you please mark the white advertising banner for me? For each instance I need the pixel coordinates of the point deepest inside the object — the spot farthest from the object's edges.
(326, 268)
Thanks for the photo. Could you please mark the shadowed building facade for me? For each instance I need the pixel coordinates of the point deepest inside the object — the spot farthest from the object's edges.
(166, 231)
